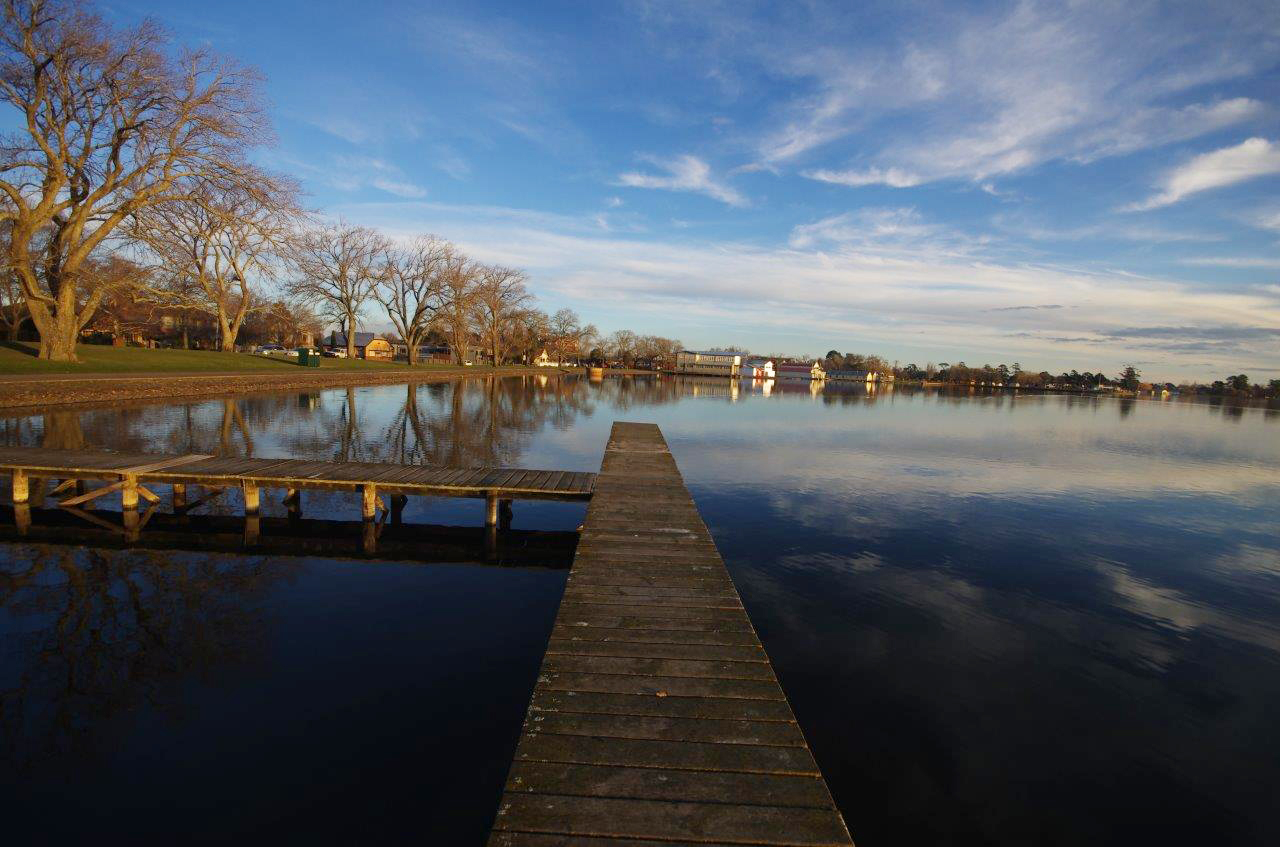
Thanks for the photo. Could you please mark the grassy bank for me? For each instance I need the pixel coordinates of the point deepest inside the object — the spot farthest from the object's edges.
(20, 358)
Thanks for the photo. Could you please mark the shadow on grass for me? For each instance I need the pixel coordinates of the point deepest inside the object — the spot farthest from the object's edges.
(21, 347)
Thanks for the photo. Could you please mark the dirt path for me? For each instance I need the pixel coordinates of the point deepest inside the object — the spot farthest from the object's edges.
(25, 391)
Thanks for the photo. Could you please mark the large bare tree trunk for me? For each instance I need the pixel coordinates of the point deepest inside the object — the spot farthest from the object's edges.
(351, 335)
(57, 331)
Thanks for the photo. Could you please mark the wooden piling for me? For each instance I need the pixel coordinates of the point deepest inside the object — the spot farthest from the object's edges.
(21, 487)
(491, 510)
(251, 497)
(179, 497)
(129, 492)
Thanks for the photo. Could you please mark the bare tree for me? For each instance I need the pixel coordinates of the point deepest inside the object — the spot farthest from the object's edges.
(108, 125)
(565, 327)
(217, 242)
(622, 346)
(338, 265)
(409, 287)
(499, 298)
(529, 330)
(458, 280)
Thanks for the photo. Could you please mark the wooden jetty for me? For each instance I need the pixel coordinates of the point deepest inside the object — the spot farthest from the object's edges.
(132, 476)
(656, 717)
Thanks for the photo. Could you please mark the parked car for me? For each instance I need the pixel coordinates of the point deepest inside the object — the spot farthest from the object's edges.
(266, 349)
(335, 354)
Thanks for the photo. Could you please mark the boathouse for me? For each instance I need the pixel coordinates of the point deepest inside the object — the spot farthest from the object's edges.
(714, 363)
(801, 370)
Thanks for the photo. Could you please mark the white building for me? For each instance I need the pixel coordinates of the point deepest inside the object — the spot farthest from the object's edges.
(757, 369)
(708, 364)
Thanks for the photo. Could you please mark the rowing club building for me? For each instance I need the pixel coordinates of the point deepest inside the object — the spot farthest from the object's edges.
(699, 363)
(801, 370)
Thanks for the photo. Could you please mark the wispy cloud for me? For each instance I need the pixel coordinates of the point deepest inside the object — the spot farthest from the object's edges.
(892, 177)
(1250, 159)
(353, 173)
(1234, 261)
(683, 173)
(929, 96)
(880, 226)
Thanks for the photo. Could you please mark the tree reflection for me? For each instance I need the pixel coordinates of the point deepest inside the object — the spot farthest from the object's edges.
(93, 633)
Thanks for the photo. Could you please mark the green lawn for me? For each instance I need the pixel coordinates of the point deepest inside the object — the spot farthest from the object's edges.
(20, 358)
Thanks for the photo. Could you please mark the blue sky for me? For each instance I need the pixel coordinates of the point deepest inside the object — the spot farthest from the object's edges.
(1065, 185)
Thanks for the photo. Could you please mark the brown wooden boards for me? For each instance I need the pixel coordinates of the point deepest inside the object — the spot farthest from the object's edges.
(656, 717)
(506, 483)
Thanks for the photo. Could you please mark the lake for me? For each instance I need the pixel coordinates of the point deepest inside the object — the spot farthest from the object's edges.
(1000, 619)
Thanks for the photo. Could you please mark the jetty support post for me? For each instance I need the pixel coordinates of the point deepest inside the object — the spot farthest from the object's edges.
(368, 502)
(129, 493)
(179, 498)
(252, 498)
(398, 502)
(293, 501)
(132, 521)
(21, 486)
(491, 510)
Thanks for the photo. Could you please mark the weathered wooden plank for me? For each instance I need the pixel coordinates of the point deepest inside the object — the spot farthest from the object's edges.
(604, 631)
(678, 650)
(537, 746)
(507, 838)
(660, 686)
(651, 593)
(579, 780)
(613, 703)
(608, 618)
(643, 666)
(651, 728)
(670, 820)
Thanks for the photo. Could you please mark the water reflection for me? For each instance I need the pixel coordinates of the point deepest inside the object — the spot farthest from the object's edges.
(103, 631)
(1001, 618)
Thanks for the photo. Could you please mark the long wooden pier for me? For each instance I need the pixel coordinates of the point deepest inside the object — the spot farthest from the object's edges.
(656, 717)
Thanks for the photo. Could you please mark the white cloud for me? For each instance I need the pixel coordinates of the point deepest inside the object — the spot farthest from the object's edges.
(1266, 219)
(878, 226)
(399, 188)
(1250, 159)
(892, 177)
(683, 173)
(353, 173)
(1235, 261)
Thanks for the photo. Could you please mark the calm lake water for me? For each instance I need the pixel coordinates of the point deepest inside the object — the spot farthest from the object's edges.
(1000, 620)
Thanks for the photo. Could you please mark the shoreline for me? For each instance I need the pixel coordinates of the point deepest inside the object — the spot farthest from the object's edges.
(24, 393)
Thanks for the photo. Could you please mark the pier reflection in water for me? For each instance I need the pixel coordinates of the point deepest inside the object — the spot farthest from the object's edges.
(1000, 619)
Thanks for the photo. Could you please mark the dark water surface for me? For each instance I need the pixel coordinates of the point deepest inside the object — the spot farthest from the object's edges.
(1000, 620)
